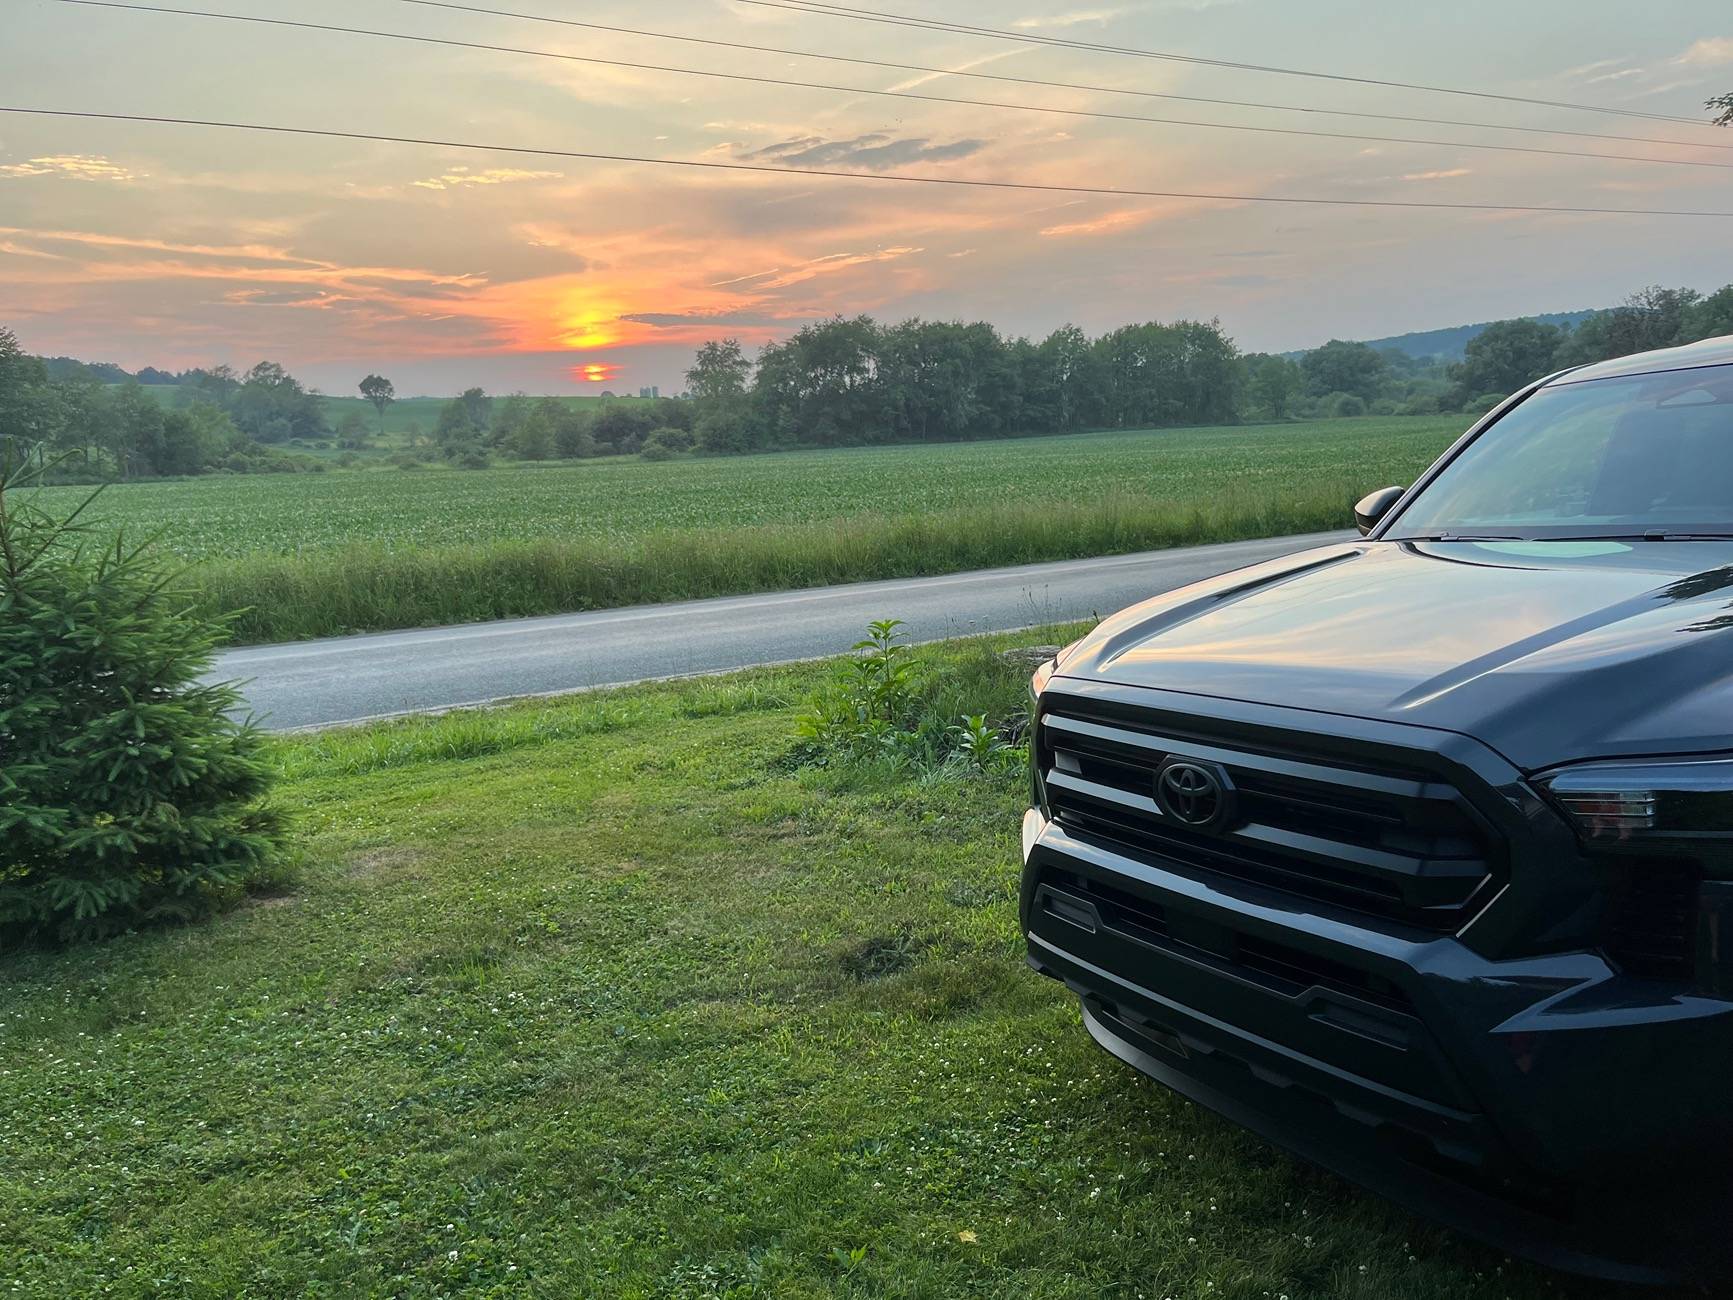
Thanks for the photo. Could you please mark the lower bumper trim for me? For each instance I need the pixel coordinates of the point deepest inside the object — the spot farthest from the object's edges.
(1346, 1149)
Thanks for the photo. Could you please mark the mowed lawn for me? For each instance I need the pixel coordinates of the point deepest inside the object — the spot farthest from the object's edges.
(322, 554)
(611, 998)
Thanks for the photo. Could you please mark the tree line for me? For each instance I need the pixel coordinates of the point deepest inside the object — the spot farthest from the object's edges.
(847, 381)
(219, 420)
(855, 382)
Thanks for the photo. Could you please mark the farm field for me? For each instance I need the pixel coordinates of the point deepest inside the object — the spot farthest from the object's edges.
(316, 554)
(758, 1030)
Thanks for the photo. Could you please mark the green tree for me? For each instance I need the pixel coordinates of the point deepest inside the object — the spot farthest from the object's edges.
(1722, 104)
(1340, 367)
(536, 435)
(570, 428)
(195, 439)
(1068, 381)
(1505, 356)
(1650, 318)
(1274, 384)
(509, 418)
(129, 793)
(352, 430)
(134, 430)
(1710, 318)
(729, 430)
(29, 411)
(271, 405)
(820, 387)
(719, 372)
(463, 425)
(620, 428)
(1184, 373)
(381, 392)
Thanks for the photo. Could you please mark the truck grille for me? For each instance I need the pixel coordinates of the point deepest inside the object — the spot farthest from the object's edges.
(1390, 841)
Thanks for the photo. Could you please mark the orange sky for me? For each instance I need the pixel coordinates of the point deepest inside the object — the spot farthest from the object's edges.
(446, 268)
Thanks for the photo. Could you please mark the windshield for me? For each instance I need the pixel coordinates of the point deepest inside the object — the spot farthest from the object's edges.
(1625, 457)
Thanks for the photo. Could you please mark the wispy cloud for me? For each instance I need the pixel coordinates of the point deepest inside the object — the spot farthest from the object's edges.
(872, 152)
(73, 166)
(1710, 51)
(1076, 18)
(461, 177)
(1445, 175)
(671, 319)
(831, 263)
(971, 66)
(1590, 69)
(1126, 219)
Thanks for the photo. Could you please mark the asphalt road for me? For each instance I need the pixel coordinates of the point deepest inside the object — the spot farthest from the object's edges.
(357, 678)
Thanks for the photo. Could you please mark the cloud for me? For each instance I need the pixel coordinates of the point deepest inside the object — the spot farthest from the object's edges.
(873, 152)
(1711, 51)
(73, 166)
(459, 177)
(1076, 18)
(1082, 17)
(926, 77)
(1449, 174)
(1126, 219)
(672, 319)
(832, 263)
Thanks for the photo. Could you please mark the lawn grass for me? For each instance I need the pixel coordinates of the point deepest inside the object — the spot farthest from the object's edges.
(320, 554)
(608, 997)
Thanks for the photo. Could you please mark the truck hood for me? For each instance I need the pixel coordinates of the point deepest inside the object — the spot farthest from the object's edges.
(1549, 652)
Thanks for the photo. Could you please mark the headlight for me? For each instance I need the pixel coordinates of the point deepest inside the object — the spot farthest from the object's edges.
(1044, 673)
(1689, 801)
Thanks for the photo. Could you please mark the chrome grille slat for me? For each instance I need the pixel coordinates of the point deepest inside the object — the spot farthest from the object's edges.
(1399, 844)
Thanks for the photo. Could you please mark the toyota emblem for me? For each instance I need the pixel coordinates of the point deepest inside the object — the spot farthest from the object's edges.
(1194, 794)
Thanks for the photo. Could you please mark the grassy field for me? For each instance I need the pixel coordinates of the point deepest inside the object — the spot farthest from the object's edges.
(609, 998)
(318, 554)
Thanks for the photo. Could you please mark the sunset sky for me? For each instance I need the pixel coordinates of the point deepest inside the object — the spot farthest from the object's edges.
(442, 268)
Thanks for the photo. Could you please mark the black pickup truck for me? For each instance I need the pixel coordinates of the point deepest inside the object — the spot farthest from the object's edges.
(1414, 853)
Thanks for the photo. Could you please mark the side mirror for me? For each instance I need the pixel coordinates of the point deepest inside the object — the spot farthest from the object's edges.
(1374, 507)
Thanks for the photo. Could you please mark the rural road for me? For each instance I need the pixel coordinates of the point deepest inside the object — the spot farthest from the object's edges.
(356, 678)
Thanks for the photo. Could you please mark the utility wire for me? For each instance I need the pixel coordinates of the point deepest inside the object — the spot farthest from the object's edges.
(714, 43)
(999, 33)
(884, 177)
(259, 20)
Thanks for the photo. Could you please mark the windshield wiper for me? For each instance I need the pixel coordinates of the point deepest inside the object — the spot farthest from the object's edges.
(1458, 537)
(1650, 535)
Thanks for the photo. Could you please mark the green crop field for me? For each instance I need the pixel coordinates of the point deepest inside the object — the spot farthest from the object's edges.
(313, 554)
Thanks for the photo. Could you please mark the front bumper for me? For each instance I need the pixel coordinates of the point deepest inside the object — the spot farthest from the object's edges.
(1511, 1096)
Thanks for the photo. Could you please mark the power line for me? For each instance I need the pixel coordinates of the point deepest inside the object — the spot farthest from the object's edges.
(1032, 38)
(715, 43)
(259, 20)
(885, 177)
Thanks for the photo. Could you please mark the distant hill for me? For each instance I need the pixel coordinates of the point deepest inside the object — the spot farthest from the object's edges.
(1448, 344)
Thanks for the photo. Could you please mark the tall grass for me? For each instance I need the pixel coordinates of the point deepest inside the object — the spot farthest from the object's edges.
(369, 587)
